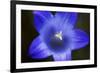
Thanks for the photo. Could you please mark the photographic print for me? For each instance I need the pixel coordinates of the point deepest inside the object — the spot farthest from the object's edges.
(55, 36)
(51, 36)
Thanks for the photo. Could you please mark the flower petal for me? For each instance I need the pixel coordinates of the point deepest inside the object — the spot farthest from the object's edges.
(40, 17)
(65, 19)
(65, 56)
(79, 39)
(38, 49)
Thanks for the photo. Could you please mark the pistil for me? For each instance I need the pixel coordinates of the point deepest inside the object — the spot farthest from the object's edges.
(59, 35)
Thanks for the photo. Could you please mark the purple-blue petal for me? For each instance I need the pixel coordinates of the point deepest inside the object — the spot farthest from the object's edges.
(40, 19)
(79, 39)
(65, 19)
(38, 49)
(65, 56)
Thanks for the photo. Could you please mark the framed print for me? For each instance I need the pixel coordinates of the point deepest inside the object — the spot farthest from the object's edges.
(52, 36)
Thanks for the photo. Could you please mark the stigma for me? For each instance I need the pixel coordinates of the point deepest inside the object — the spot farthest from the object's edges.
(59, 35)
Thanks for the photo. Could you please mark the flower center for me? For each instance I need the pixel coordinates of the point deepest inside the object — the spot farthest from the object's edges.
(58, 42)
(59, 35)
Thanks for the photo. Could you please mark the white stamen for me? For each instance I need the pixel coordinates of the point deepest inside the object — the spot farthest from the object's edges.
(59, 35)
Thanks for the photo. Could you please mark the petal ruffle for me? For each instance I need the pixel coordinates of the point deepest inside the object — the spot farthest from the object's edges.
(38, 49)
(79, 39)
(40, 18)
(65, 56)
(65, 20)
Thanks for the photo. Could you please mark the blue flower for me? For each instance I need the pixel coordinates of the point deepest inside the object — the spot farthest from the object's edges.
(57, 35)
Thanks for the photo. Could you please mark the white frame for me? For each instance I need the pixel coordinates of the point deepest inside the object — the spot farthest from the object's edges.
(20, 65)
